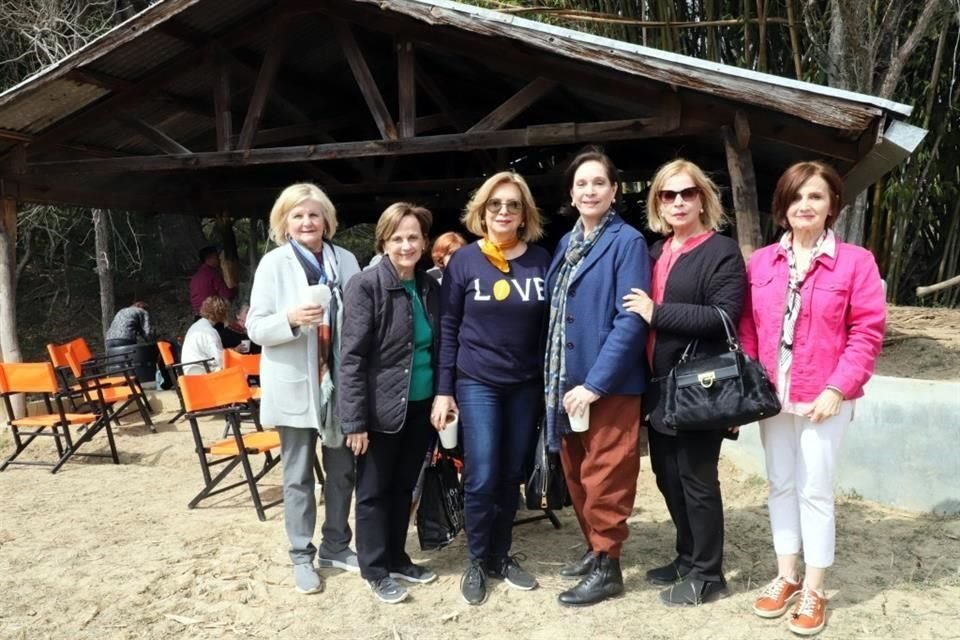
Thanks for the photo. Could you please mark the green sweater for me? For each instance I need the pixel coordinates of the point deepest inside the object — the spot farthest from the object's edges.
(421, 378)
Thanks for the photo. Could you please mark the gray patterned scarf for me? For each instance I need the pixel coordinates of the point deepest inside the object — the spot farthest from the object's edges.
(555, 365)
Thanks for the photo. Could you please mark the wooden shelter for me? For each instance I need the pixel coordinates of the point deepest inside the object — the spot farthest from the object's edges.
(206, 106)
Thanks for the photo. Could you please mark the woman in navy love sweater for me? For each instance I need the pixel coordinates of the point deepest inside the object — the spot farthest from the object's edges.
(492, 310)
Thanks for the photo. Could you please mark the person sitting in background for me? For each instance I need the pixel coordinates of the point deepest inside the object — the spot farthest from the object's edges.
(130, 324)
(202, 341)
(443, 248)
(237, 331)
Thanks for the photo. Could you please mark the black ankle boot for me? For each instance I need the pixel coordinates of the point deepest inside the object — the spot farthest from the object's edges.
(603, 581)
(579, 568)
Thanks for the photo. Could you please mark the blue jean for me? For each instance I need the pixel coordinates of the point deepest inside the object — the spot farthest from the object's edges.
(497, 427)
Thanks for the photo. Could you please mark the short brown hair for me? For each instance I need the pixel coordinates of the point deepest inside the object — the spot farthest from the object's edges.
(472, 218)
(290, 198)
(712, 216)
(444, 245)
(215, 309)
(391, 217)
(789, 185)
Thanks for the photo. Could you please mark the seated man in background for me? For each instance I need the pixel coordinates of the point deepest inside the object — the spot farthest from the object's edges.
(202, 341)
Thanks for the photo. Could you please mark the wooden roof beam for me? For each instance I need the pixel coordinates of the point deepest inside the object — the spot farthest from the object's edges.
(539, 135)
(265, 78)
(407, 88)
(158, 138)
(514, 105)
(365, 80)
(223, 113)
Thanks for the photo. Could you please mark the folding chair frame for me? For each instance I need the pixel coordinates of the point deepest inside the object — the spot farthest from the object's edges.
(59, 430)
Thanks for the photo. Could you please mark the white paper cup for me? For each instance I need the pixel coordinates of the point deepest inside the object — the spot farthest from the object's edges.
(318, 294)
(448, 436)
(580, 423)
(244, 346)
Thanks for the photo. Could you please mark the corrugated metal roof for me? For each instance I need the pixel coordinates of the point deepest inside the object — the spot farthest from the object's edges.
(132, 49)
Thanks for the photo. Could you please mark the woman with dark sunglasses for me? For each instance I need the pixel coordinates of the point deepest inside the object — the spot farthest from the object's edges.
(695, 268)
(492, 306)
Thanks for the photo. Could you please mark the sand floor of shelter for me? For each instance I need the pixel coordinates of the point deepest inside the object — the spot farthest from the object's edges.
(105, 551)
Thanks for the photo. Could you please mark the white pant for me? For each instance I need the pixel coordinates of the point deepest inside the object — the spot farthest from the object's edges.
(800, 457)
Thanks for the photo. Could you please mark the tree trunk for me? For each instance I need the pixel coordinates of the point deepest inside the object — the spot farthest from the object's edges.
(851, 225)
(230, 258)
(101, 240)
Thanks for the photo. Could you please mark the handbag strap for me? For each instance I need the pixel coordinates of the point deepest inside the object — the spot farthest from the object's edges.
(732, 341)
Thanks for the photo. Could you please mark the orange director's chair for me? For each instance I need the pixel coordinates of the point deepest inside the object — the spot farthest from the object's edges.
(226, 394)
(40, 380)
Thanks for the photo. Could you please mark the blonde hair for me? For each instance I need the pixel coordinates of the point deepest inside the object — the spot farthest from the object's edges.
(215, 309)
(472, 218)
(293, 196)
(391, 217)
(712, 215)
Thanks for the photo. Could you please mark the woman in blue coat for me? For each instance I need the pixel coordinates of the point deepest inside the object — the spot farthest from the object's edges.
(595, 366)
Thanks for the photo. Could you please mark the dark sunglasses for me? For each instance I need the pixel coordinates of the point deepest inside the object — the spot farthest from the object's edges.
(689, 195)
(513, 206)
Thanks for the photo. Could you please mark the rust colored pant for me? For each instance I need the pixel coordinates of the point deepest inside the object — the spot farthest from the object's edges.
(601, 467)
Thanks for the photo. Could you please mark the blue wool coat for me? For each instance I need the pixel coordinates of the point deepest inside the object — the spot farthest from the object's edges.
(605, 344)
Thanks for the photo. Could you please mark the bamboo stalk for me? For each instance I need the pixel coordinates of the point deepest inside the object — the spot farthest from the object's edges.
(794, 39)
(762, 37)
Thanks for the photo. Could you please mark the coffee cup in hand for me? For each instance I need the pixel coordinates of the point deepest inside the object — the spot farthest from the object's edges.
(580, 423)
(318, 294)
(448, 435)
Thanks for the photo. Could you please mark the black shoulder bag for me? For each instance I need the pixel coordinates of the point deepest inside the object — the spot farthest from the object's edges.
(545, 487)
(718, 392)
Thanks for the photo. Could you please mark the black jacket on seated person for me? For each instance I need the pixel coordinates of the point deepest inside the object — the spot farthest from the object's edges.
(711, 274)
(376, 353)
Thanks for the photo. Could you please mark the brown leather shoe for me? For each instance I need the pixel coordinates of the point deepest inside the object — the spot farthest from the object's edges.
(810, 614)
(775, 598)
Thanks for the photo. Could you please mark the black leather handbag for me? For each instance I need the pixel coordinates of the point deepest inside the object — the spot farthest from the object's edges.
(440, 512)
(718, 392)
(545, 487)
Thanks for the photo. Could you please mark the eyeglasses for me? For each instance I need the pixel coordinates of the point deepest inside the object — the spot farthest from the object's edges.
(513, 206)
(689, 195)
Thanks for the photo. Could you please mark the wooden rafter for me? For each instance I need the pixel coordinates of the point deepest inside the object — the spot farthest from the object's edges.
(268, 71)
(406, 88)
(363, 76)
(158, 138)
(221, 101)
(540, 135)
(514, 105)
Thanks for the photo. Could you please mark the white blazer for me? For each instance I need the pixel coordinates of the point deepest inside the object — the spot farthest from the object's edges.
(289, 365)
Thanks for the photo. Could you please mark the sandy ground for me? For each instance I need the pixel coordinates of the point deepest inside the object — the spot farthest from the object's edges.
(921, 342)
(105, 551)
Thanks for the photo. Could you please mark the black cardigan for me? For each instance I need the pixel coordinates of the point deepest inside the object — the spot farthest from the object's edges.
(711, 274)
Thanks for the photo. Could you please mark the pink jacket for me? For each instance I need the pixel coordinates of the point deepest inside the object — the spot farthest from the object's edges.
(840, 329)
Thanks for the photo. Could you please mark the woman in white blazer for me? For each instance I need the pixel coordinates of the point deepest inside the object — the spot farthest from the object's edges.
(301, 347)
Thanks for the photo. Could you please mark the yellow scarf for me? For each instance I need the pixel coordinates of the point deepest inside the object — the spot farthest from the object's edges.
(494, 252)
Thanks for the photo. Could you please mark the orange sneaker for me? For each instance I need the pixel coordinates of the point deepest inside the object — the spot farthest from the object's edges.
(775, 598)
(810, 614)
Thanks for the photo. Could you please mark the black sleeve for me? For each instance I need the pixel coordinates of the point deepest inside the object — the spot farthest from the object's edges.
(357, 338)
(724, 285)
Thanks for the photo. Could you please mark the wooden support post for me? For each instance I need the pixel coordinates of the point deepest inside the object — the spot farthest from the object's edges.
(9, 343)
(514, 106)
(221, 100)
(406, 88)
(101, 243)
(268, 72)
(151, 134)
(743, 183)
(368, 86)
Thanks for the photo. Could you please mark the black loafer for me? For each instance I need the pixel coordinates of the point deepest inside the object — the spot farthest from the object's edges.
(667, 574)
(691, 592)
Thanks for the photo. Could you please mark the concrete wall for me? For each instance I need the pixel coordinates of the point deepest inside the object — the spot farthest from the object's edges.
(902, 449)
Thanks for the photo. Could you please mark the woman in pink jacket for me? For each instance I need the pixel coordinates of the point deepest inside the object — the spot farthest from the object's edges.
(814, 317)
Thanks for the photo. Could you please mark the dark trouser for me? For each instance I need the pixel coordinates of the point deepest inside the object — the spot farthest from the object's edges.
(686, 470)
(600, 466)
(386, 476)
(497, 427)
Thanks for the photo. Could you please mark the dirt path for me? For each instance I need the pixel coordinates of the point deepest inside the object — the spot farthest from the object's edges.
(103, 551)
